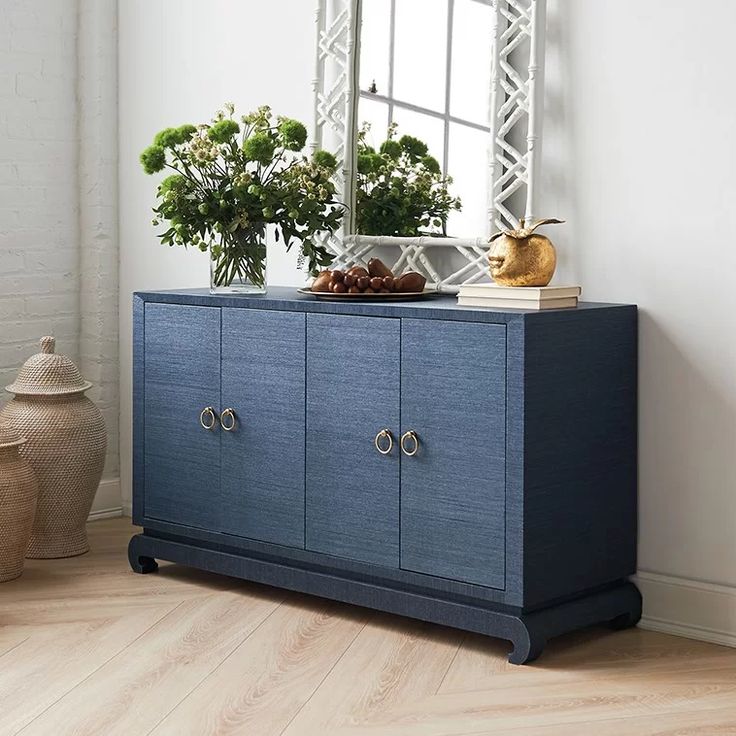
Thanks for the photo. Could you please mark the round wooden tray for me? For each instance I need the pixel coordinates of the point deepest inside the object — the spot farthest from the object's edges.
(395, 296)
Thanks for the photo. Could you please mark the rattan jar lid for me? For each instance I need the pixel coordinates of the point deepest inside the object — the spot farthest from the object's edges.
(48, 374)
(10, 436)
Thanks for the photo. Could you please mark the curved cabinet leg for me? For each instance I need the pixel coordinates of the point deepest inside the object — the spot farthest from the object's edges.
(142, 564)
(528, 643)
(631, 603)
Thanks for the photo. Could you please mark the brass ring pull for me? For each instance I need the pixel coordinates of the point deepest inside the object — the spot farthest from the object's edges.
(208, 418)
(410, 435)
(228, 414)
(384, 449)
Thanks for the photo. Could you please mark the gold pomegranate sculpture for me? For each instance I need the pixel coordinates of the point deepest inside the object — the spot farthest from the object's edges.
(521, 257)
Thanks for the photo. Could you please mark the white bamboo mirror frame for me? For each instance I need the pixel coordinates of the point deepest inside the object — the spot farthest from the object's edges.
(516, 104)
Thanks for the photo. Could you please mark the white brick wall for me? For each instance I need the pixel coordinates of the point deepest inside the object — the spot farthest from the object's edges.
(39, 256)
(58, 227)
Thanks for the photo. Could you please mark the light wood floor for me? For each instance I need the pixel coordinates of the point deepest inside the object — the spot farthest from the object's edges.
(88, 647)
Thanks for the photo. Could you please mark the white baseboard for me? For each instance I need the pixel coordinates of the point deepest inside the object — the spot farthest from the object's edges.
(688, 608)
(105, 514)
(107, 503)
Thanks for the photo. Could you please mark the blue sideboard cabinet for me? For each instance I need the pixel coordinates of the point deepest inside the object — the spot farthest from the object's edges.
(470, 467)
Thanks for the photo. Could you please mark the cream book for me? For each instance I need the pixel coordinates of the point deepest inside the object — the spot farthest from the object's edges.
(475, 301)
(533, 293)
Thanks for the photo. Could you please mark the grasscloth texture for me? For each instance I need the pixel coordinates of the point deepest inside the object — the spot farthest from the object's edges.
(522, 490)
(89, 648)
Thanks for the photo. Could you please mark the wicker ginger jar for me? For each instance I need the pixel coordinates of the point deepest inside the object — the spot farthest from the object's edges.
(66, 444)
(18, 493)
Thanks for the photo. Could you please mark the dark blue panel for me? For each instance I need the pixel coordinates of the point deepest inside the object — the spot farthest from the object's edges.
(139, 414)
(263, 357)
(453, 395)
(580, 456)
(182, 376)
(352, 393)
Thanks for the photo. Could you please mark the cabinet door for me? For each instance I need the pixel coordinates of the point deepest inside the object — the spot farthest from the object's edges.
(182, 377)
(263, 358)
(352, 394)
(453, 395)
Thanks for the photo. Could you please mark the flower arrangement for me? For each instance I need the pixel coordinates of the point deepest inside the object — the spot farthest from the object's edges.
(231, 180)
(400, 188)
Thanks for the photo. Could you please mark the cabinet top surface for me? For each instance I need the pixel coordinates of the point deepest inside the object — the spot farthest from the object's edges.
(443, 306)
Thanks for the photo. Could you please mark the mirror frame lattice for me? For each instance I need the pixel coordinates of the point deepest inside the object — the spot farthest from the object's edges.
(516, 105)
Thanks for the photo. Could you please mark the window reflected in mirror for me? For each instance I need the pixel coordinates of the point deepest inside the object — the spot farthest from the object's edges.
(423, 133)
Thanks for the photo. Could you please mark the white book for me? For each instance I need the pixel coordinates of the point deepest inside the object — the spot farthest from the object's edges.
(534, 293)
(472, 301)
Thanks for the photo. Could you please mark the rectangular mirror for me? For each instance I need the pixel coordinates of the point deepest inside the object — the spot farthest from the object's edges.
(435, 106)
(423, 123)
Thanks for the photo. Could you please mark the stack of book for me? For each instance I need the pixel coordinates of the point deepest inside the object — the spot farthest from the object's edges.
(518, 297)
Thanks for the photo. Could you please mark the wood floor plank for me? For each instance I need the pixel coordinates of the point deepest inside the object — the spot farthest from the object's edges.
(479, 711)
(390, 662)
(481, 662)
(136, 689)
(51, 661)
(11, 637)
(720, 722)
(89, 648)
(267, 679)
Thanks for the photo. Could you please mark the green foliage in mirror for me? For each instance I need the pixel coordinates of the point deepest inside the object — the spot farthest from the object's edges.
(400, 188)
(232, 179)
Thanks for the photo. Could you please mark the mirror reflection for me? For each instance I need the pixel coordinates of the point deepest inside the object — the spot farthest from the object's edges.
(423, 127)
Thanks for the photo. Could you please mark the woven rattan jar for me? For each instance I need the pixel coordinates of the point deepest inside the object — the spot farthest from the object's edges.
(66, 444)
(18, 493)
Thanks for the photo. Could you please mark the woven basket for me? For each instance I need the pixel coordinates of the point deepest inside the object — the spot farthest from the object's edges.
(18, 493)
(66, 445)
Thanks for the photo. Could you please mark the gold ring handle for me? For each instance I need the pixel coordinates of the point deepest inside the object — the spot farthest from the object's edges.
(208, 418)
(384, 449)
(410, 435)
(228, 415)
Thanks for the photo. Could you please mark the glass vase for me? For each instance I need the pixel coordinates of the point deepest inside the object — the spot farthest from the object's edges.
(238, 266)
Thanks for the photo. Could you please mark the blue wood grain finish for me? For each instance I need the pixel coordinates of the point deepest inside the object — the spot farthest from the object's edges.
(352, 393)
(263, 365)
(453, 395)
(182, 376)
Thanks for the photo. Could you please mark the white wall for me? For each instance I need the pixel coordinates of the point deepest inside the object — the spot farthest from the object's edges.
(39, 281)
(58, 210)
(633, 88)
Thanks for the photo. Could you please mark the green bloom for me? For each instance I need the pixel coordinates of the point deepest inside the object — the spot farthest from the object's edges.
(166, 138)
(223, 130)
(391, 148)
(173, 183)
(153, 159)
(259, 147)
(293, 134)
(185, 132)
(365, 163)
(413, 146)
(326, 159)
(431, 164)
